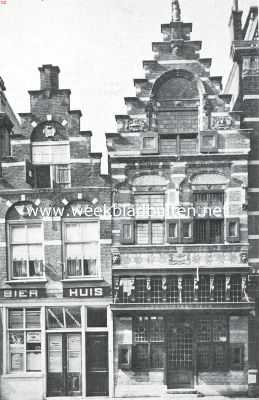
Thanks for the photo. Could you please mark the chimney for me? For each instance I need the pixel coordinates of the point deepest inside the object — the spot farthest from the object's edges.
(49, 77)
(235, 22)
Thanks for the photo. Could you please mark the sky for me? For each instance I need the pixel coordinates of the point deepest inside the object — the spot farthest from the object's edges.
(99, 46)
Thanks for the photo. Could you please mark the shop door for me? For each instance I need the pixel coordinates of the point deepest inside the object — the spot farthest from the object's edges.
(97, 364)
(179, 355)
(64, 365)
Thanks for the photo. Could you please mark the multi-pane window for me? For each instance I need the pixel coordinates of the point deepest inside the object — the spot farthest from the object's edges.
(236, 288)
(149, 206)
(208, 231)
(148, 337)
(208, 198)
(149, 232)
(24, 340)
(149, 211)
(63, 317)
(26, 251)
(62, 174)
(179, 144)
(141, 290)
(204, 288)
(172, 290)
(187, 289)
(81, 249)
(212, 343)
(156, 290)
(220, 288)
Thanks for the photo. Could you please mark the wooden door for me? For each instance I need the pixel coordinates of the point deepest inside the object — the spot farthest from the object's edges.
(97, 364)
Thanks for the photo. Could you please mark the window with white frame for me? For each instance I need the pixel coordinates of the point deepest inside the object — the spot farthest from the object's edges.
(26, 250)
(24, 340)
(81, 249)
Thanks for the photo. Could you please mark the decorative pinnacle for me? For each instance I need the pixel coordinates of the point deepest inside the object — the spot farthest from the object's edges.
(176, 11)
(235, 5)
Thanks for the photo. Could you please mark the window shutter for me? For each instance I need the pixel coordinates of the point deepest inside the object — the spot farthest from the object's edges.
(172, 231)
(233, 230)
(208, 142)
(186, 230)
(127, 232)
(30, 173)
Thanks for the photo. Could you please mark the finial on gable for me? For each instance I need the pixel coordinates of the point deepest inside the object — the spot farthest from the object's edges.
(176, 11)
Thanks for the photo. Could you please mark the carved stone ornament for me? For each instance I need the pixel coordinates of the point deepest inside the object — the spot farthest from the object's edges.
(49, 131)
(137, 125)
(244, 258)
(116, 259)
(221, 122)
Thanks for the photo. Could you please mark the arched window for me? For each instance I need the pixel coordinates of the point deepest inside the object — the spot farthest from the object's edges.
(25, 242)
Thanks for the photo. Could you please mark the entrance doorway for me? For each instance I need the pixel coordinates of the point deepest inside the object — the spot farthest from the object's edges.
(97, 364)
(64, 365)
(179, 355)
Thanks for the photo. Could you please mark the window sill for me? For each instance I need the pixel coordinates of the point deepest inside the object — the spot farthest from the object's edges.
(23, 375)
(28, 280)
(83, 278)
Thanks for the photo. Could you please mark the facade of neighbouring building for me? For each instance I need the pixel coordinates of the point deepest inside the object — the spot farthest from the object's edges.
(183, 291)
(243, 84)
(55, 279)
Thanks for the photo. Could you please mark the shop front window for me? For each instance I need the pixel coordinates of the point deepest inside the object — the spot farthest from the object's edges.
(212, 344)
(148, 336)
(24, 340)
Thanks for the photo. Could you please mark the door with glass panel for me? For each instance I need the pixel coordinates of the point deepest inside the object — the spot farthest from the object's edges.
(64, 364)
(179, 355)
(64, 360)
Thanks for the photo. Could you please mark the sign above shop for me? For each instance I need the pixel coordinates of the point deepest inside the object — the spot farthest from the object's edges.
(86, 292)
(22, 293)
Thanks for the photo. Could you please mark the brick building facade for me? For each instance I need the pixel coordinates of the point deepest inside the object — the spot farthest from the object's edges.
(184, 310)
(159, 295)
(55, 280)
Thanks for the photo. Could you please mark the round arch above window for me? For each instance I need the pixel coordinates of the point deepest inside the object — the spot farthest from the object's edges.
(80, 209)
(150, 180)
(176, 84)
(22, 210)
(209, 179)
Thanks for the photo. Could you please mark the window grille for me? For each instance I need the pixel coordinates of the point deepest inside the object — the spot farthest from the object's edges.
(172, 290)
(208, 197)
(204, 289)
(142, 236)
(236, 289)
(141, 290)
(187, 289)
(219, 288)
(149, 336)
(156, 290)
(212, 343)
